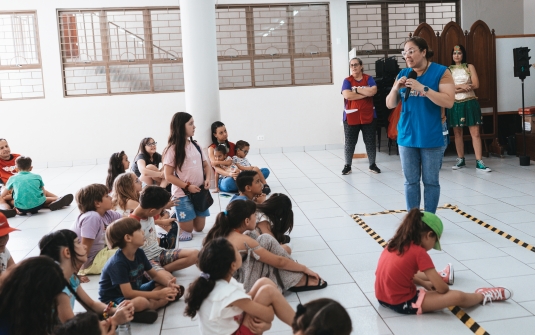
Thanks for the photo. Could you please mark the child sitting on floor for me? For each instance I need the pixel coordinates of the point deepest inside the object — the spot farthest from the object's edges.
(321, 316)
(28, 190)
(224, 168)
(126, 189)
(276, 218)
(119, 163)
(122, 276)
(405, 263)
(6, 261)
(250, 187)
(65, 248)
(95, 207)
(151, 202)
(242, 149)
(222, 303)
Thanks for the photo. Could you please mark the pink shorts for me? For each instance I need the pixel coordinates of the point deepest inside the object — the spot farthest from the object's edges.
(418, 303)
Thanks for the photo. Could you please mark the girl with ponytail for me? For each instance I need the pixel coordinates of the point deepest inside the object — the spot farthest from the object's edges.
(262, 255)
(221, 302)
(64, 247)
(321, 317)
(405, 263)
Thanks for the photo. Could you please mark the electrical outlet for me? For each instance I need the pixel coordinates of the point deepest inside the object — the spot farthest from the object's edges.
(260, 137)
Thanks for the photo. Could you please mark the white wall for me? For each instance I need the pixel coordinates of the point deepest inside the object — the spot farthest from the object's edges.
(529, 17)
(58, 129)
(506, 17)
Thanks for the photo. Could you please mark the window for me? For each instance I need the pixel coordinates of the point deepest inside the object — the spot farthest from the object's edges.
(273, 45)
(20, 61)
(121, 51)
(380, 29)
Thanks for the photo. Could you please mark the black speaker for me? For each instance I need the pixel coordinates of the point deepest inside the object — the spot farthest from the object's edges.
(521, 59)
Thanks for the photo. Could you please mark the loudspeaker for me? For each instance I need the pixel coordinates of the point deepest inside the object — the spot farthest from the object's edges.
(521, 59)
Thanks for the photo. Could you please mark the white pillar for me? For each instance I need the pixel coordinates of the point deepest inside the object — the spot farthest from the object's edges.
(201, 79)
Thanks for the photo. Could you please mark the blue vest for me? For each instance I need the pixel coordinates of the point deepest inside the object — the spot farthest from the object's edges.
(420, 123)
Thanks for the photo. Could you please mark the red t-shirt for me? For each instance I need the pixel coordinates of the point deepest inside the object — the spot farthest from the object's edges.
(231, 150)
(393, 277)
(8, 168)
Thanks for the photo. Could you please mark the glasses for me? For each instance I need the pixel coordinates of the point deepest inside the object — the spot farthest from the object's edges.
(152, 144)
(244, 151)
(408, 52)
(354, 65)
(459, 53)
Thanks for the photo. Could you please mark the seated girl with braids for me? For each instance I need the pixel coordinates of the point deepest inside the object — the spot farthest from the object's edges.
(221, 302)
(262, 254)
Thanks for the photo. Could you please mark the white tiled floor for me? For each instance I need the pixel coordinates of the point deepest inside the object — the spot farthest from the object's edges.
(326, 239)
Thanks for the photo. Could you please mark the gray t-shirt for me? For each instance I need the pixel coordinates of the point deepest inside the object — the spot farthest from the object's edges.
(4, 258)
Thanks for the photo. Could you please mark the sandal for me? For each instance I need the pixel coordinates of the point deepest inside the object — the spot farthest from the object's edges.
(178, 296)
(185, 236)
(321, 285)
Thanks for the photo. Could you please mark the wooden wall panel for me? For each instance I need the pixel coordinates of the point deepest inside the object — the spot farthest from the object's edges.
(428, 34)
(451, 36)
(482, 54)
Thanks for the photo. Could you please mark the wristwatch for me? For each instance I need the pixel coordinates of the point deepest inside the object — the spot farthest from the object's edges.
(426, 89)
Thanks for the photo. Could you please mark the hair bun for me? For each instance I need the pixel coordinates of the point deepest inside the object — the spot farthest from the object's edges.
(429, 53)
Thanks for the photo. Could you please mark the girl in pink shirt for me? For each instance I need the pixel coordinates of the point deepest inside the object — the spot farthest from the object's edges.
(187, 169)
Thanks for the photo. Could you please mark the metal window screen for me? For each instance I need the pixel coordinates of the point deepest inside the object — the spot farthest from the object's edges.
(20, 60)
(121, 51)
(273, 45)
(380, 29)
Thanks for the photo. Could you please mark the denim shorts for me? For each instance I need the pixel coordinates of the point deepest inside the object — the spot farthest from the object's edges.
(413, 306)
(147, 287)
(186, 212)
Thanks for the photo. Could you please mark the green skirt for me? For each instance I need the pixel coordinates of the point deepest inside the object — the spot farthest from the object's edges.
(465, 114)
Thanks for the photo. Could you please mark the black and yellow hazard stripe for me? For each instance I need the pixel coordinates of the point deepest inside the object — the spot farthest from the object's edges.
(390, 211)
(491, 228)
(456, 310)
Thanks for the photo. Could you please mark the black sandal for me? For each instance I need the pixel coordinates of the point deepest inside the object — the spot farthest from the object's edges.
(321, 285)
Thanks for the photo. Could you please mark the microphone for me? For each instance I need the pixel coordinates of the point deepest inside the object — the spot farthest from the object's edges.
(412, 75)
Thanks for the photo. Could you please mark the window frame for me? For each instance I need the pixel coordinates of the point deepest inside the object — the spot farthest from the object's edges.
(107, 62)
(292, 56)
(38, 66)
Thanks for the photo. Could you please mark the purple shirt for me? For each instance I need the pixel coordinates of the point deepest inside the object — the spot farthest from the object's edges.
(93, 226)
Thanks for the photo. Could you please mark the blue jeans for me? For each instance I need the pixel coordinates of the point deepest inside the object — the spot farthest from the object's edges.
(424, 164)
(228, 184)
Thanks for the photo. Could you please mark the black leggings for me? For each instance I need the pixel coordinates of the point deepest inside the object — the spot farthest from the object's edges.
(352, 136)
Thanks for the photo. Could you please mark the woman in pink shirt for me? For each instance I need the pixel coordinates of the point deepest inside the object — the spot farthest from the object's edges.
(185, 168)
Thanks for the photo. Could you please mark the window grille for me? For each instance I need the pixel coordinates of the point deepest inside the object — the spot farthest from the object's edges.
(273, 45)
(121, 51)
(20, 60)
(380, 29)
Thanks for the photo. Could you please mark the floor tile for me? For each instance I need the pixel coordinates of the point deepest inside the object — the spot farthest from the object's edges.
(348, 295)
(510, 326)
(473, 250)
(499, 267)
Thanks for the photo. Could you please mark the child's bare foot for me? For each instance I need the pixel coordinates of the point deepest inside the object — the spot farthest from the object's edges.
(216, 190)
(83, 279)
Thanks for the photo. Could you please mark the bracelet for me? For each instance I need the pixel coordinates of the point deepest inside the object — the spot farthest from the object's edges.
(107, 310)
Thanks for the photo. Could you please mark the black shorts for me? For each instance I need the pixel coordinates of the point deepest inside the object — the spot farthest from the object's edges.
(411, 306)
(31, 210)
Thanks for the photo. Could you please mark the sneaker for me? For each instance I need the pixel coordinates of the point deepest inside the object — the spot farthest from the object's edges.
(460, 164)
(266, 190)
(61, 202)
(480, 166)
(147, 316)
(494, 294)
(346, 170)
(374, 168)
(447, 274)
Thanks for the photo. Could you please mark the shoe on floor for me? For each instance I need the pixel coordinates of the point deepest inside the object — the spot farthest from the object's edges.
(8, 213)
(480, 166)
(374, 168)
(266, 190)
(147, 316)
(459, 164)
(494, 294)
(61, 202)
(447, 274)
(346, 170)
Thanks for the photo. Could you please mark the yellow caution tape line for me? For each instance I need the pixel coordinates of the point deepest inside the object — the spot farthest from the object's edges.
(456, 310)
(491, 228)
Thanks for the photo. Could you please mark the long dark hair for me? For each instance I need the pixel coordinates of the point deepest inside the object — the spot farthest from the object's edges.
(422, 45)
(278, 209)
(463, 61)
(215, 260)
(237, 211)
(213, 129)
(322, 316)
(35, 282)
(409, 231)
(115, 168)
(177, 137)
(142, 149)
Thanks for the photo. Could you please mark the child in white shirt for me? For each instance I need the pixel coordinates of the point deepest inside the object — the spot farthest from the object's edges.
(221, 302)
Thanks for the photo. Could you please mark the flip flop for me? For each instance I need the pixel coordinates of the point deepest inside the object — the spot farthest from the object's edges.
(321, 285)
(185, 236)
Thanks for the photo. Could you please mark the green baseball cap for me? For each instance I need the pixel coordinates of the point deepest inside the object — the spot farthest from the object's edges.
(434, 223)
